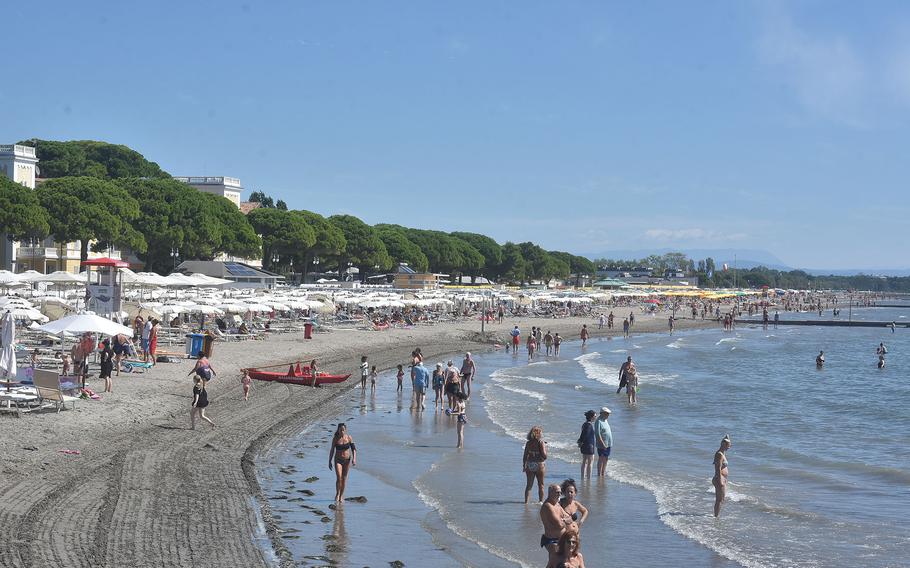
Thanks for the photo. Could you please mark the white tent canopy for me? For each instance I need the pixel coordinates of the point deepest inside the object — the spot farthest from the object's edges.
(81, 323)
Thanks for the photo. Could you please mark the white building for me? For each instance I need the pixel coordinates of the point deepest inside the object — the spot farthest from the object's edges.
(219, 185)
(20, 164)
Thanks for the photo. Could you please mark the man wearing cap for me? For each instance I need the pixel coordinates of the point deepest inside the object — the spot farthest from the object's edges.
(604, 437)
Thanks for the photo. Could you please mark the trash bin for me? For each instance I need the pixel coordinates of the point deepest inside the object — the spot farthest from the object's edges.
(308, 330)
(193, 344)
(208, 344)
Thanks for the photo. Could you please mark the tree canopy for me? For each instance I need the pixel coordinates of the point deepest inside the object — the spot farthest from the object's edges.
(283, 235)
(175, 220)
(91, 158)
(87, 209)
(21, 215)
(401, 249)
(364, 248)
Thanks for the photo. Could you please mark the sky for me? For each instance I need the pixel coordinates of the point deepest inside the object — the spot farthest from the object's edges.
(582, 126)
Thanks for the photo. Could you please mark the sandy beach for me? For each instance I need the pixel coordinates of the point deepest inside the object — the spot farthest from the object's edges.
(145, 490)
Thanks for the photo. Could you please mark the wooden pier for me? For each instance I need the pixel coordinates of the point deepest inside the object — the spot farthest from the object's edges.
(825, 323)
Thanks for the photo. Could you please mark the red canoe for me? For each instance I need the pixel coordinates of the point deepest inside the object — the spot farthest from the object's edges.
(297, 376)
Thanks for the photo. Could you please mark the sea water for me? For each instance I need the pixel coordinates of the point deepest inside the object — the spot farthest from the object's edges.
(818, 468)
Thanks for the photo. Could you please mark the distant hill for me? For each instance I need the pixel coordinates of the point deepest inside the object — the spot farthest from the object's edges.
(744, 258)
(857, 271)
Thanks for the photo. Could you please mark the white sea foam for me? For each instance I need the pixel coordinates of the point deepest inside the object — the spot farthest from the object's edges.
(595, 370)
(540, 380)
(535, 395)
(728, 340)
(676, 344)
(674, 497)
(656, 378)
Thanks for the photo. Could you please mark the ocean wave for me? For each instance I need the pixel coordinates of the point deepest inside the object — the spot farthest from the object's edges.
(676, 344)
(424, 494)
(533, 394)
(656, 378)
(594, 370)
(680, 508)
(728, 340)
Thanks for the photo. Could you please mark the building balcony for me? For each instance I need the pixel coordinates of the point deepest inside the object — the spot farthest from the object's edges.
(17, 150)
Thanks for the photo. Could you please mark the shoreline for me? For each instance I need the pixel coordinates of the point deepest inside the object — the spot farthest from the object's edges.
(145, 492)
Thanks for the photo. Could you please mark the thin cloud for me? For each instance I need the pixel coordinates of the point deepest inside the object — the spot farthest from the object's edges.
(827, 73)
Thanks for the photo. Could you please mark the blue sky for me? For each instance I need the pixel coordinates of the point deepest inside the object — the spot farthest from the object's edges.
(583, 126)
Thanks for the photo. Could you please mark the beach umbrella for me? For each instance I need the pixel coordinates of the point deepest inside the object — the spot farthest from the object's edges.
(82, 323)
(7, 348)
(205, 280)
(59, 277)
(31, 314)
(9, 279)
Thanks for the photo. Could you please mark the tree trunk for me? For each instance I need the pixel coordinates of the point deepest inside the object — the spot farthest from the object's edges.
(83, 249)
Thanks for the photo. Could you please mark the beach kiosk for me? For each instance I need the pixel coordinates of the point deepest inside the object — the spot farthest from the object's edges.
(103, 286)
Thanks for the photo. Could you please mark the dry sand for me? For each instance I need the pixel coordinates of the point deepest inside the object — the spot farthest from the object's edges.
(145, 490)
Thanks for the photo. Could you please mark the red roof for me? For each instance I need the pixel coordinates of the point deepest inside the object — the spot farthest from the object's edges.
(106, 262)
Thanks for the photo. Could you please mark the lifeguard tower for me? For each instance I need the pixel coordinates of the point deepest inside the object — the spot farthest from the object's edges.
(103, 285)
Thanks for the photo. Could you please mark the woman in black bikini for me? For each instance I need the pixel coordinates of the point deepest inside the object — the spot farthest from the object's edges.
(576, 510)
(342, 455)
(533, 462)
(720, 473)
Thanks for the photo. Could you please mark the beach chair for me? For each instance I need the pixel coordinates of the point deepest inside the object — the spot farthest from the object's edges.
(50, 391)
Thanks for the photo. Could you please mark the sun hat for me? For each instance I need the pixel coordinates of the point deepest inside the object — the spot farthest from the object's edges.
(604, 409)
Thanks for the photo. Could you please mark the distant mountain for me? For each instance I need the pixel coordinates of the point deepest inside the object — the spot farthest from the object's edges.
(746, 259)
(856, 271)
(743, 258)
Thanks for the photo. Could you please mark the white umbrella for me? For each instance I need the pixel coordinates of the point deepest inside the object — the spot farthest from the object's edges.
(30, 314)
(7, 347)
(81, 323)
(59, 277)
(205, 280)
(152, 279)
(177, 279)
(9, 279)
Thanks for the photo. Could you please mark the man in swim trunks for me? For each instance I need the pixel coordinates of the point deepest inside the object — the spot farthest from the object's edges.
(516, 338)
(555, 519)
(468, 368)
(623, 370)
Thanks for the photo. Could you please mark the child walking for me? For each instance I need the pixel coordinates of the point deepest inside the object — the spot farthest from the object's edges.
(373, 376)
(400, 377)
(246, 381)
(364, 372)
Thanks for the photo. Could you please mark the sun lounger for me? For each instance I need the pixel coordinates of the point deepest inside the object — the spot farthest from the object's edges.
(50, 391)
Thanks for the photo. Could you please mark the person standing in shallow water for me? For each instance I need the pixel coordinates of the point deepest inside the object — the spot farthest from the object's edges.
(587, 444)
(533, 459)
(342, 457)
(720, 473)
(584, 334)
(555, 520)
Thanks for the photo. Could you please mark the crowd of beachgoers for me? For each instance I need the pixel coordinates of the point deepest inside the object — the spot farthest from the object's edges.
(250, 328)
